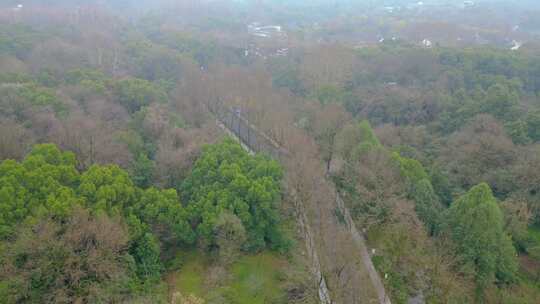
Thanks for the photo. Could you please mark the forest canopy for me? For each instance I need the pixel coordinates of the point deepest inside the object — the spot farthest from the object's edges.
(408, 137)
(99, 216)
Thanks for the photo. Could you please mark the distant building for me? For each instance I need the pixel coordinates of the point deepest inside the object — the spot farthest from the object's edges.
(516, 45)
(427, 43)
(256, 29)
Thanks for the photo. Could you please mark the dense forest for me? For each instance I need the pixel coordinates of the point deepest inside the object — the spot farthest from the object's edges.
(118, 184)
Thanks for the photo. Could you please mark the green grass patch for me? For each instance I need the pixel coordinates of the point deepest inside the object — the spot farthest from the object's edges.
(534, 234)
(253, 279)
(190, 278)
(256, 280)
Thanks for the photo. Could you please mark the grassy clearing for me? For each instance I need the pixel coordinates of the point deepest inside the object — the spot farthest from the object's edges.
(534, 233)
(256, 280)
(189, 279)
(253, 279)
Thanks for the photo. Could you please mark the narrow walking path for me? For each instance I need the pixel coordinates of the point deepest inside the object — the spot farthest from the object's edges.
(366, 258)
(255, 141)
(323, 293)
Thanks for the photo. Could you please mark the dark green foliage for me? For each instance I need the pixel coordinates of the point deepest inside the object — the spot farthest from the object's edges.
(226, 178)
(518, 131)
(135, 94)
(329, 94)
(146, 250)
(43, 184)
(163, 207)
(533, 125)
(427, 204)
(398, 274)
(92, 80)
(79, 75)
(15, 78)
(21, 97)
(411, 169)
(367, 135)
(288, 78)
(47, 185)
(441, 185)
(136, 140)
(484, 61)
(359, 139)
(485, 251)
(108, 189)
(455, 86)
(141, 171)
(38, 96)
(501, 102)
(231, 200)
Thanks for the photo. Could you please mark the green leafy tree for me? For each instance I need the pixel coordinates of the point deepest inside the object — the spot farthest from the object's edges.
(79, 75)
(142, 170)
(365, 132)
(357, 139)
(411, 169)
(517, 217)
(108, 189)
(146, 252)
(90, 82)
(42, 184)
(442, 186)
(427, 204)
(226, 178)
(518, 131)
(163, 207)
(328, 94)
(533, 125)
(502, 102)
(34, 95)
(135, 94)
(483, 247)
(46, 185)
(285, 76)
(230, 235)
(458, 109)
